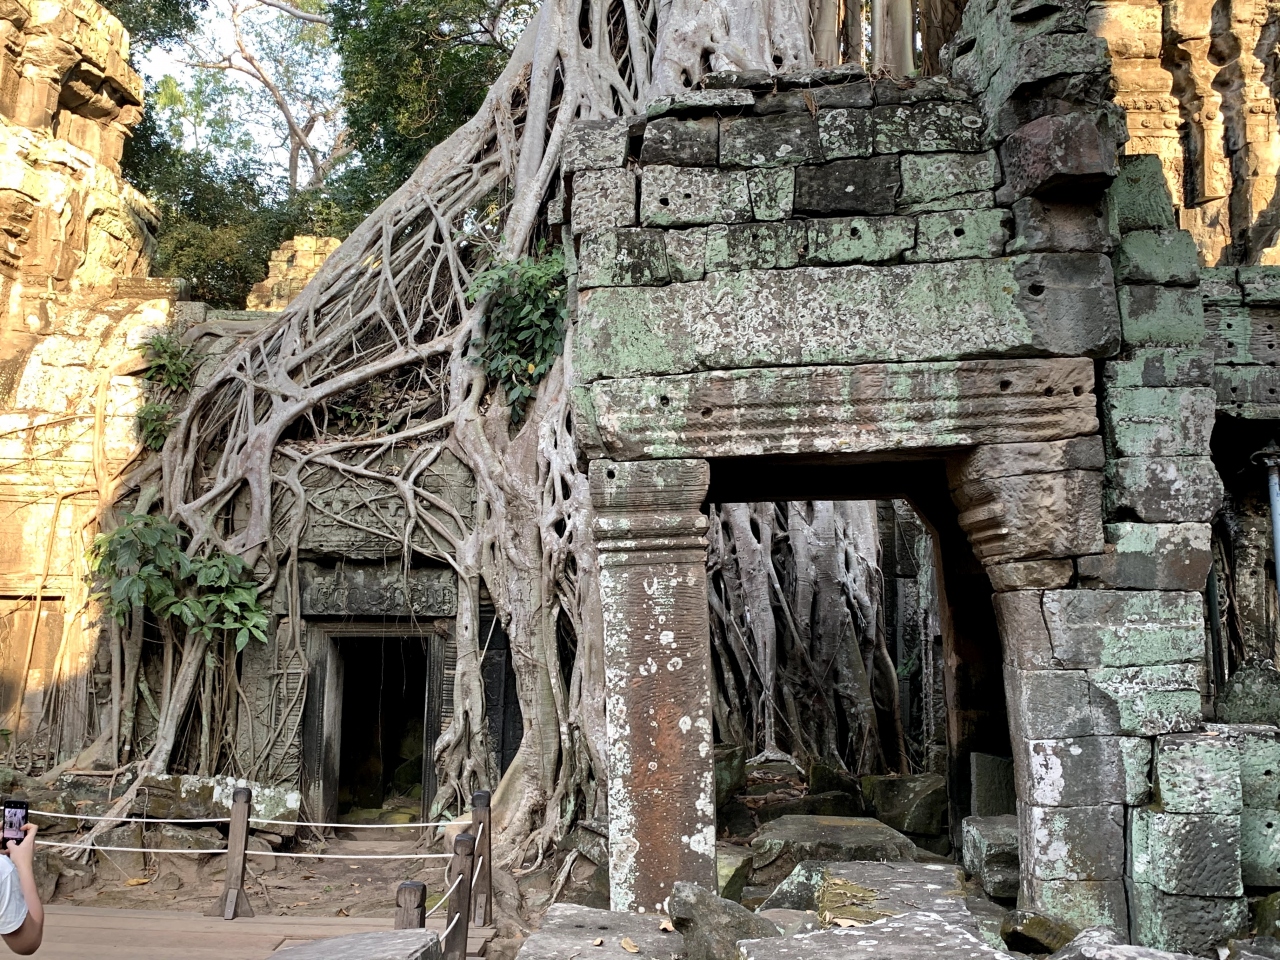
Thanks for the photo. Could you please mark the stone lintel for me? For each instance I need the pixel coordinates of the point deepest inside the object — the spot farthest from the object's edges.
(657, 651)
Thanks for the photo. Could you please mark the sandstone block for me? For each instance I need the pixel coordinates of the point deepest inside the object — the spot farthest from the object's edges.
(1014, 459)
(390, 945)
(690, 197)
(1139, 196)
(976, 200)
(1120, 628)
(1259, 286)
(733, 869)
(783, 843)
(1192, 924)
(755, 246)
(935, 176)
(1154, 316)
(990, 852)
(1051, 225)
(1030, 575)
(991, 785)
(1150, 556)
(1198, 773)
(686, 254)
(570, 930)
(1030, 932)
(681, 143)
(1160, 367)
(961, 235)
(1159, 422)
(1218, 286)
(1260, 846)
(909, 804)
(1033, 516)
(731, 771)
(918, 935)
(848, 186)
(1145, 701)
(839, 240)
(596, 144)
(616, 258)
(1073, 843)
(712, 926)
(1049, 704)
(825, 99)
(888, 889)
(1252, 695)
(845, 133)
(705, 100)
(603, 199)
(1157, 256)
(784, 139)
(1056, 291)
(1082, 903)
(1054, 151)
(1259, 766)
(1087, 771)
(929, 127)
(1163, 489)
(1187, 854)
(772, 192)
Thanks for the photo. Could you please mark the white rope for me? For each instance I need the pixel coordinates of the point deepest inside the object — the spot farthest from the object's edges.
(476, 876)
(452, 923)
(94, 846)
(354, 826)
(122, 818)
(444, 898)
(254, 853)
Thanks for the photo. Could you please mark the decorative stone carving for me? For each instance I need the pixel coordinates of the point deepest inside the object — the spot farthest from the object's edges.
(368, 591)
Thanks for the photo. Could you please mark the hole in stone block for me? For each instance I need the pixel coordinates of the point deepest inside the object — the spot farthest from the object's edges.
(611, 474)
(958, 231)
(1048, 391)
(1077, 391)
(688, 196)
(855, 233)
(664, 201)
(706, 413)
(1036, 289)
(665, 401)
(1005, 384)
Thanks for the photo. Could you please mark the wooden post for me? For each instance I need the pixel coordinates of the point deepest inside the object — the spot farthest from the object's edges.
(482, 892)
(411, 901)
(233, 903)
(458, 914)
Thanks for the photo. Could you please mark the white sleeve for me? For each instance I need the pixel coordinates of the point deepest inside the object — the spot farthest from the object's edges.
(13, 905)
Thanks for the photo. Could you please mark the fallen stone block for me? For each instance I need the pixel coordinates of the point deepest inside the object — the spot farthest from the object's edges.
(792, 922)
(1029, 932)
(787, 841)
(864, 892)
(384, 945)
(909, 937)
(712, 926)
(1268, 917)
(733, 869)
(731, 771)
(1103, 943)
(826, 778)
(990, 853)
(691, 196)
(1163, 489)
(1195, 925)
(1150, 556)
(569, 930)
(834, 803)
(1198, 773)
(910, 804)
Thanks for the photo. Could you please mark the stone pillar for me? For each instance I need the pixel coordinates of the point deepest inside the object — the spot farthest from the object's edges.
(650, 533)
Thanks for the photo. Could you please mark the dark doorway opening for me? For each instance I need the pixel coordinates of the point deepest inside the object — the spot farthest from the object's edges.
(384, 719)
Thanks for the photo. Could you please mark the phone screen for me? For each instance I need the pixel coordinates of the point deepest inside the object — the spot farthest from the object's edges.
(15, 818)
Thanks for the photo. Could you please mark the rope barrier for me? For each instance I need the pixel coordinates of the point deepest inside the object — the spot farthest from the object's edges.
(476, 876)
(444, 897)
(282, 823)
(256, 853)
(452, 923)
(122, 819)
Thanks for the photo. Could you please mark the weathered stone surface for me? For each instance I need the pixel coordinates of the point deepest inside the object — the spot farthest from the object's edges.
(614, 258)
(977, 200)
(755, 246)
(1050, 225)
(1259, 286)
(1145, 701)
(1015, 459)
(935, 176)
(1160, 367)
(686, 254)
(772, 193)
(122, 865)
(596, 144)
(1249, 392)
(733, 869)
(692, 196)
(1082, 903)
(1157, 256)
(1150, 556)
(929, 127)
(289, 268)
(187, 797)
(1159, 422)
(1030, 574)
(848, 186)
(1181, 923)
(731, 771)
(1086, 771)
(710, 99)
(712, 926)
(849, 314)
(1161, 316)
(960, 235)
(1185, 854)
(783, 139)
(1163, 489)
(1048, 704)
(1103, 943)
(1073, 843)
(783, 843)
(1139, 197)
(376, 590)
(1034, 516)
(991, 785)
(1198, 773)
(990, 853)
(910, 804)
(833, 803)
(1259, 764)
(569, 930)
(603, 199)
(1107, 628)
(866, 891)
(681, 143)
(840, 240)
(862, 408)
(1260, 846)
(1055, 152)
(384, 945)
(1029, 932)
(1252, 695)
(1268, 916)
(845, 133)
(908, 937)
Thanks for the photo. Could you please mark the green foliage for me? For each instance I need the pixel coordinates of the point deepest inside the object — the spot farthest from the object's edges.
(172, 363)
(156, 23)
(155, 420)
(413, 71)
(142, 563)
(524, 323)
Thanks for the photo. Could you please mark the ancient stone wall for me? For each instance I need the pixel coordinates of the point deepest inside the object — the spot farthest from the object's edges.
(289, 270)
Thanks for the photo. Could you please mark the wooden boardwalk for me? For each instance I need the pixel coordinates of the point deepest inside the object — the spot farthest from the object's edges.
(77, 933)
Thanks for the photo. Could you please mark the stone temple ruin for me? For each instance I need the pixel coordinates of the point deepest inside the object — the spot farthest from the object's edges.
(1034, 296)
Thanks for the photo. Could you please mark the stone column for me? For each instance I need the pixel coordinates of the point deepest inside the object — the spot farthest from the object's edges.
(650, 533)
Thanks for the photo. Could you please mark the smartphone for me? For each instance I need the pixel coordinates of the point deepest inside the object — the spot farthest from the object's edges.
(15, 818)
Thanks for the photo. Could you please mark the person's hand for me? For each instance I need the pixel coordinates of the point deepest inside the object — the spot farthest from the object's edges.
(23, 853)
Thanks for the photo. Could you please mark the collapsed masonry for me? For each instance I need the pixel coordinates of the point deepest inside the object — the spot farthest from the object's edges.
(958, 292)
